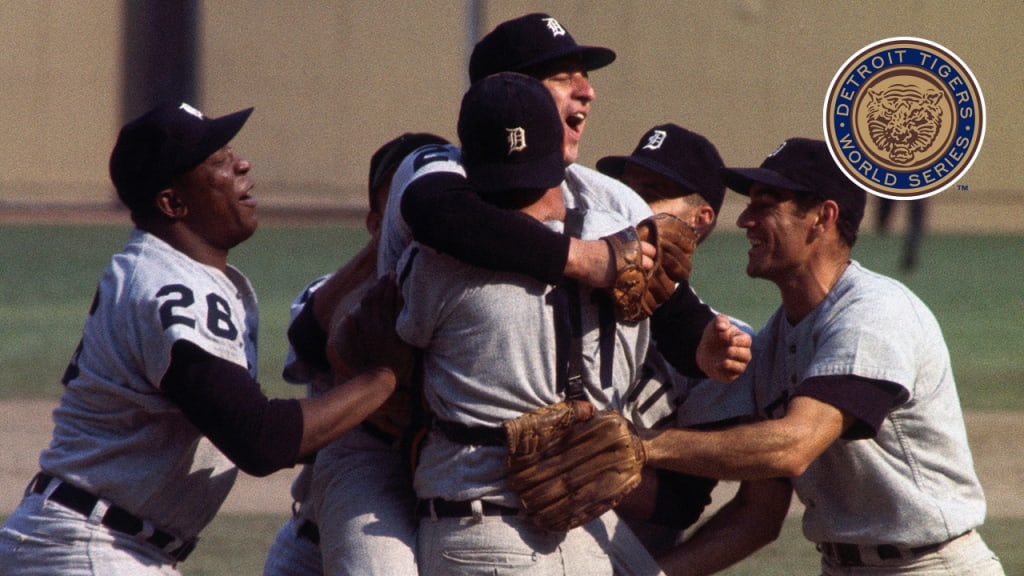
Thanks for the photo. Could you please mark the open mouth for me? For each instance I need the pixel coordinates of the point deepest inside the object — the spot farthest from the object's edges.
(247, 197)
(575, 121)
(755, 244)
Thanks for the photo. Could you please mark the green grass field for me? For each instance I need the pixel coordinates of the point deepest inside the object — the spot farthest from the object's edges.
(973, 283)
(237, 544)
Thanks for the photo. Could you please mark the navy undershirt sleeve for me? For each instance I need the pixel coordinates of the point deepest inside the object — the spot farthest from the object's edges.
(223, 401)
(677, 327)
(867, 400)
(307, 338)
(444, 213)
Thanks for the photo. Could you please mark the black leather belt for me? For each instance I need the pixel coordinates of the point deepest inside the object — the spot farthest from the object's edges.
(471, 435)
(850, 554)
(463, 509)
(115, 518)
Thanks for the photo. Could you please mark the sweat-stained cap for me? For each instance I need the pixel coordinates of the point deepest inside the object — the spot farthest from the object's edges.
(511, 135)
(165, 142)
(806, 166)
(527, 42)
(684, 157)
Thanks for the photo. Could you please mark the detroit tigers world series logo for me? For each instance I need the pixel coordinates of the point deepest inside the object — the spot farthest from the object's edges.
(904, 118)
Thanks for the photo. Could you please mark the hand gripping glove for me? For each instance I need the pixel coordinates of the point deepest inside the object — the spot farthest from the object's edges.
(638, 292)
(674, 242)
(570, 464)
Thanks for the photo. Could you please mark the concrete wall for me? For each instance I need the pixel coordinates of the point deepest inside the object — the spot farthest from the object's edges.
(332, 80)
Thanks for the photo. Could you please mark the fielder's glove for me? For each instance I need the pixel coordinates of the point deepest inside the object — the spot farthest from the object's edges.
(638, 292)
(570, 464)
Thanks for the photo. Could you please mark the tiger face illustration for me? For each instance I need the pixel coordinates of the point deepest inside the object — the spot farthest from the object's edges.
(903, 120)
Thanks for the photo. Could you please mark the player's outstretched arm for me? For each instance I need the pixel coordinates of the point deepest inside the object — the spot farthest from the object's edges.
(368, 361)
(774, 448)
(343, 407)
(747, 523)
(262, 435)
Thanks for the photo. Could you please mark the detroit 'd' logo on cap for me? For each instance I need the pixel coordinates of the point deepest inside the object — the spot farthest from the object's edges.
(904, 118)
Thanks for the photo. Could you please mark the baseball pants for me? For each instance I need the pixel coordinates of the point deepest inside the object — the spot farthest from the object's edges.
(364, 504)
(42, 538)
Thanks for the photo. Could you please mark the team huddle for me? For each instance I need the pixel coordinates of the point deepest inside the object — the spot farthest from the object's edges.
(514, 372)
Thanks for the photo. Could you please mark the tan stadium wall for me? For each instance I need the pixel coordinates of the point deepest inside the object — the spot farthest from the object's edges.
(332, 80)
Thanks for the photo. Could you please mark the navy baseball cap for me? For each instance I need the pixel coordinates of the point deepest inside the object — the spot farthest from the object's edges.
(806, 166)
(529, 41)
(684, 157)
(511, 135)
(165, 142)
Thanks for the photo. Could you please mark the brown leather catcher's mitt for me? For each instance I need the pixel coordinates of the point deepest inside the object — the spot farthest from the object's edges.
(638, 292)
(570, 463)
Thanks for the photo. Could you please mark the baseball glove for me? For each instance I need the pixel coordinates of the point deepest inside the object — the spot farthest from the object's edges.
(638, 292)
(570, 464)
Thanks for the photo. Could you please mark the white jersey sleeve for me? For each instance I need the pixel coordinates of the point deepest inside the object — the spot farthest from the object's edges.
(395, 232)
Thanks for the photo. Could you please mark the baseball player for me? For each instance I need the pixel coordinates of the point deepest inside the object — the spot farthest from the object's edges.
(489, 353)
(441, 210)
(362, 463)
(854, 384)
(161, 404)
(675, 171)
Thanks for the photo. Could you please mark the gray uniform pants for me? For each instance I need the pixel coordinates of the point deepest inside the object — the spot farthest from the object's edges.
(511, 545)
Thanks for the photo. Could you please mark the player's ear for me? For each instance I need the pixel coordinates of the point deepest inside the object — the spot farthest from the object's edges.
(704, 220)
(170, 203)
(705, 215)
(828, 214)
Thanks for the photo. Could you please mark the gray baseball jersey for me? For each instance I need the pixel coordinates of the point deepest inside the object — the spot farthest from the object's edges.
(479, 369)
(913, 483)
(116, 434)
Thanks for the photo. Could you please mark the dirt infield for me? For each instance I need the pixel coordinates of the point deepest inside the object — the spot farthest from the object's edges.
(26, 426)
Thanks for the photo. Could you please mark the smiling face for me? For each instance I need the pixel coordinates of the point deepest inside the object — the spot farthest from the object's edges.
(780, 234)
(570, 87)
(217, 194)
